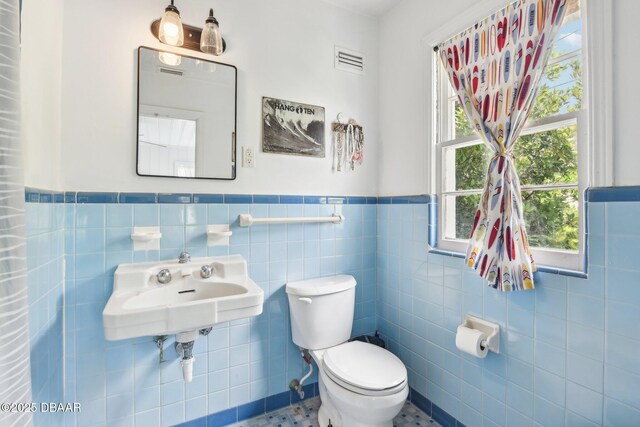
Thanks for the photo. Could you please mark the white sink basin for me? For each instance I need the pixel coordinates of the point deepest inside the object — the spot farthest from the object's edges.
(141, 306)
(187, 291)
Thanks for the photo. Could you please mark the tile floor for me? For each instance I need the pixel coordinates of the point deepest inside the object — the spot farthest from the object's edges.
(305, 413)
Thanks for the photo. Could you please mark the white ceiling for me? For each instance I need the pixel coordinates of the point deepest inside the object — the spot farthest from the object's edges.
(366, 7)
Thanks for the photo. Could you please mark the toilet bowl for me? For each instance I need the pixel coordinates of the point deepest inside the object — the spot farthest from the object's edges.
(361, 385)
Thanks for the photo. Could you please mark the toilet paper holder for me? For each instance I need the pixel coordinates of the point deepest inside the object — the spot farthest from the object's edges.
(490, 329)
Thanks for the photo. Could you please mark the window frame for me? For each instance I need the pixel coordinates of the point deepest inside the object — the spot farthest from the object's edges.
(594, 123)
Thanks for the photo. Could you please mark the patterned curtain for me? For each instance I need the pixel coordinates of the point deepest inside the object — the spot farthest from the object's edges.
(495, 68)
(15, 379)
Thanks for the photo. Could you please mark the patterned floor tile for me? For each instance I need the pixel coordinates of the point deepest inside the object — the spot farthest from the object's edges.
(411, 415)
(305, 414)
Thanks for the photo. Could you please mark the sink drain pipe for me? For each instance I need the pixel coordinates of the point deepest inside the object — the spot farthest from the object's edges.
(184, 348)
(296, 385)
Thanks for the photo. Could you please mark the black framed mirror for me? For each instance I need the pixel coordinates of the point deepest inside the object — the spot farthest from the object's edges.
(187, 111)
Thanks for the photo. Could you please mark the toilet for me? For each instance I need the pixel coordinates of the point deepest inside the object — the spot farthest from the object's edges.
(361, 385)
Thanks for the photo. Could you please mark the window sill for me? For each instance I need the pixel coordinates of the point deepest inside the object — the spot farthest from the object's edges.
(540, 268)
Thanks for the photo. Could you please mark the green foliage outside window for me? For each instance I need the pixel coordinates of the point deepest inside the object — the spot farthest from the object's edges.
(551, 216)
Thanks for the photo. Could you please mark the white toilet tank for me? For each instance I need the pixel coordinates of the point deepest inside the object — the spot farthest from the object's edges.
(321, 311)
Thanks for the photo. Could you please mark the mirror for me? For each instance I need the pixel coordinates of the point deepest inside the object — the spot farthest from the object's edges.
(186, 116)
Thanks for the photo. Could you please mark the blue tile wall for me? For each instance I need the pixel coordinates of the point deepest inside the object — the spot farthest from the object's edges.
(240, 362)
(45, 277)
(569, 350)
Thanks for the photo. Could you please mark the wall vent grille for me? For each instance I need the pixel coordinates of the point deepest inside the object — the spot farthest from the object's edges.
(348, 60)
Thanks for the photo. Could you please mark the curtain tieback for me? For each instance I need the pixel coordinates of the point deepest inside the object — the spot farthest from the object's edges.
(502, 154)
(488, 182)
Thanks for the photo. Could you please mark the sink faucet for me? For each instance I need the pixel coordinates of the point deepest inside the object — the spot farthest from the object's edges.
(164, 276)
(213, 269)
(184, 258)
(206, 271)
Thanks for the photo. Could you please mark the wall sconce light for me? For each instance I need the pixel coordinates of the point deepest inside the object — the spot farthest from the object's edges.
(170, 30)
(211, 40)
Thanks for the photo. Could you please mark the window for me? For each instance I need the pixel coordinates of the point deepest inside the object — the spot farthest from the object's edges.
(167, 145)
(551, 156)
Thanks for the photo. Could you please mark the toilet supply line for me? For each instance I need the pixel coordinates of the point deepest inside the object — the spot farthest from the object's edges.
(296, 385)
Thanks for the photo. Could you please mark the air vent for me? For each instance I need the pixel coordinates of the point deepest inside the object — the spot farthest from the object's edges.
(349, 60)
(171, 71)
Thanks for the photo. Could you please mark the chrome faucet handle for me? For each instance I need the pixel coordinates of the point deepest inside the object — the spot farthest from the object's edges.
(184, 257)
(206, 271)
(164, 276)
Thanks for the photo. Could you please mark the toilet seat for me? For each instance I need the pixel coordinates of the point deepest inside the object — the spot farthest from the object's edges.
(365, 369)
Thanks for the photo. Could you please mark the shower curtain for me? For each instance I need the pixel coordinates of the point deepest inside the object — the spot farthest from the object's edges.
(15, 375)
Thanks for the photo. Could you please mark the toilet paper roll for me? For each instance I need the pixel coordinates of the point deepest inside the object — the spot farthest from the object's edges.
(470, 341)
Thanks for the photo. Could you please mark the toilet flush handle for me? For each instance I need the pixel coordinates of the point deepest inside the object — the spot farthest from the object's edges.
(307, 300)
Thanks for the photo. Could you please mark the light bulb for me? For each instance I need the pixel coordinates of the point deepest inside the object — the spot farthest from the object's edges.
(171, 31)
(211, 40)
(169, 58)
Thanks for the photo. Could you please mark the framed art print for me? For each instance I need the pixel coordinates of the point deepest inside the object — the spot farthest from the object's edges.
(292, 128)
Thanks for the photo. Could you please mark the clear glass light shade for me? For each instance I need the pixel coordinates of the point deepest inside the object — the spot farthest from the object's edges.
(206, 66)
(169, 58)
(211, 40)
(171, 31)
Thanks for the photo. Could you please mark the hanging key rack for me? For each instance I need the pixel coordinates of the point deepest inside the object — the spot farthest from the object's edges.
(348, 144)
